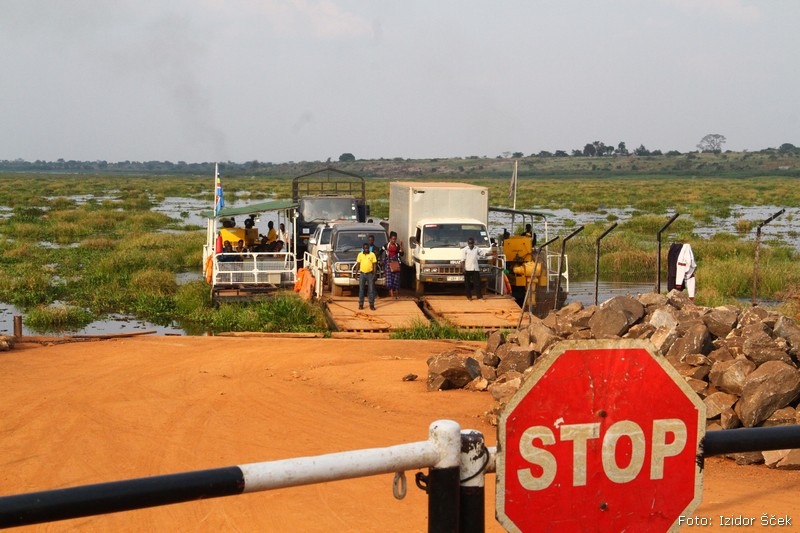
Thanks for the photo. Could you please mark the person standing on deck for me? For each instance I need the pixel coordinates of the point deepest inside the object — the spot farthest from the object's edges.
(471, 268)
(366, 261)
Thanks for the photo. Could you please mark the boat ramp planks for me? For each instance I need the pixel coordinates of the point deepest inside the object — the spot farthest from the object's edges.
(389, 314)
(493, 312)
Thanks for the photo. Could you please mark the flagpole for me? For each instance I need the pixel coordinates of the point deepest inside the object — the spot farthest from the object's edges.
(516, 165)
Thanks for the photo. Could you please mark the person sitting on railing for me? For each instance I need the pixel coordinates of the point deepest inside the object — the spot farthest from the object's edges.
(227, 253)
(283, 236)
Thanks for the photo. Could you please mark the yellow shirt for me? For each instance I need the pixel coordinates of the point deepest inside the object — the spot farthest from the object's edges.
(366, 262)
(272, 236)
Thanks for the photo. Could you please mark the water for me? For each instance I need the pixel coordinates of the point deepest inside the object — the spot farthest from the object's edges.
(111, 324)
(783, 229)
(583, 291)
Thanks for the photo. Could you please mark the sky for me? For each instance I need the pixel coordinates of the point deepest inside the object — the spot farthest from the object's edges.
(307, 80)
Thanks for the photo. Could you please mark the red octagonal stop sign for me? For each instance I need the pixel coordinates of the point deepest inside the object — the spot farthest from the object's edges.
(603, 437)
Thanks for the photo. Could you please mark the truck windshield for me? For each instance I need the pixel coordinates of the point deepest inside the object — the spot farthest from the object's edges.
(453, 235)
(355, 240)
(320, 209)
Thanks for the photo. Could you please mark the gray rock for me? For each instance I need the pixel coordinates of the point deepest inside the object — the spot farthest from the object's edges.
(696, 359)
(791, 461)
(640, 331)
(788, 329)
(608, 323)
(759, 347)
(678, 299)
(721, 320)
(489, 373)
(663, 339)
(496, 338)
(717, 403)
(697, 385)
(696, 340)
(781, 417)
(719, 355)
(633, 310)
(752, 315)
(447, 371)
(478, 384)
(746, 458)
(523, 337)
(664, 317)
(730, 376)
(652, 299)
(473, 367)
(541, 337)
(503, 391)
(769, 387)
(517, 360)
(581, 319)
(728, 419)
(490, 359)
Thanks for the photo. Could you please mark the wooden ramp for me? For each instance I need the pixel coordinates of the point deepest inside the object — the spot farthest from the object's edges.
(388, 315)
(493, 312)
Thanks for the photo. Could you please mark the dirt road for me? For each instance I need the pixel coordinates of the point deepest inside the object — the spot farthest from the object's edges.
(83, 413)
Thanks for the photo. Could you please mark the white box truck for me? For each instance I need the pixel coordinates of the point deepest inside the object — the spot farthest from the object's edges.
(433, 220)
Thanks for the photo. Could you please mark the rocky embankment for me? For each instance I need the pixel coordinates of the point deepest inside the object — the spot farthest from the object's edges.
(744, 364)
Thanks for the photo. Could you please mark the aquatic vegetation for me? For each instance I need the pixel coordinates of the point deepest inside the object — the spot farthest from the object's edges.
(420, 330)
(56, 318)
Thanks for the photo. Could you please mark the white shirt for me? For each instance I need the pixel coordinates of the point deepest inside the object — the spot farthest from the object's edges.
(283, 236)
(470, 258)
(686, 264)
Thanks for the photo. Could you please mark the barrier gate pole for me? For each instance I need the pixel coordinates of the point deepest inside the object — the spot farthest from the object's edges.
(474, 458)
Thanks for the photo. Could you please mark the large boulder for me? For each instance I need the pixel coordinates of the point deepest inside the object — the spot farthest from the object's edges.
(608, 323)
(771, 386)
(752, 315)
(517, 359)
(696, 340)
(665, 316)
(630, 307)
(496, 338)
(448, 370)
(718, 402)
(788, 329)
(721, 320)
(730, 376)
(759, 347)
(541, 337)
(663, 338)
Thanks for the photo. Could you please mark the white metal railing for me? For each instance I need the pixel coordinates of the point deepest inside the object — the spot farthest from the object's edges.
(553, 261)
(497, 283)
(317, 268)
(255, 269)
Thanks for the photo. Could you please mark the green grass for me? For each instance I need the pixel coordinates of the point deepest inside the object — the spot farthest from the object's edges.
(420, 330)
(57, 318)
(110, 254)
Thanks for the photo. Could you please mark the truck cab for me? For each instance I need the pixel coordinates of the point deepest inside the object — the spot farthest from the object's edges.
(436, 250)
(347, 240)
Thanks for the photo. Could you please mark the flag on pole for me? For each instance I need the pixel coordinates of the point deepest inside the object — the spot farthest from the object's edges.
(512, 188)
(219, 198)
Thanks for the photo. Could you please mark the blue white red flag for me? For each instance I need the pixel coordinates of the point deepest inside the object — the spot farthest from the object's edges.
(219, 198)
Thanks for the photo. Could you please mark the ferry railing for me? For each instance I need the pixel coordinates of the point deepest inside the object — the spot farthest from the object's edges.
(255, 269)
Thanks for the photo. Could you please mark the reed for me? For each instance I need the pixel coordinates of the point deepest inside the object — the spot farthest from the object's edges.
(57, 318)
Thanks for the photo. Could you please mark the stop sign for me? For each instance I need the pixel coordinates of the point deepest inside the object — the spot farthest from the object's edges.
(603, 436)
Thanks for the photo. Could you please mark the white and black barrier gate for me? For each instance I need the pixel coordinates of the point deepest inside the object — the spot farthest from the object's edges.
(457, 461)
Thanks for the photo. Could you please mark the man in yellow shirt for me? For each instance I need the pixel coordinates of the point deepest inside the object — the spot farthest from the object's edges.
(366, 261)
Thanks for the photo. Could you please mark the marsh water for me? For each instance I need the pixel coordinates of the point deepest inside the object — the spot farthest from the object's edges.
(191, 212)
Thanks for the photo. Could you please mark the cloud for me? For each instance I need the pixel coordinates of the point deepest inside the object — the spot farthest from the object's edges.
(737, 10)
(325, 18)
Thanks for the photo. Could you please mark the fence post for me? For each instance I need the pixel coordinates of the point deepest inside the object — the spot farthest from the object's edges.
(444, 478)
(597, 261)
(758, 248)
(658, 256)
(17, 325)
(474, 457)
(561, 262)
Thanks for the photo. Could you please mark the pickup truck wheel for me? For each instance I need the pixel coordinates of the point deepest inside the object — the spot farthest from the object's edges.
(419, 287)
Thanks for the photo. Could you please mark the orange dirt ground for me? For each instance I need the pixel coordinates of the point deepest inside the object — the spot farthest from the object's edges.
(80, 413)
